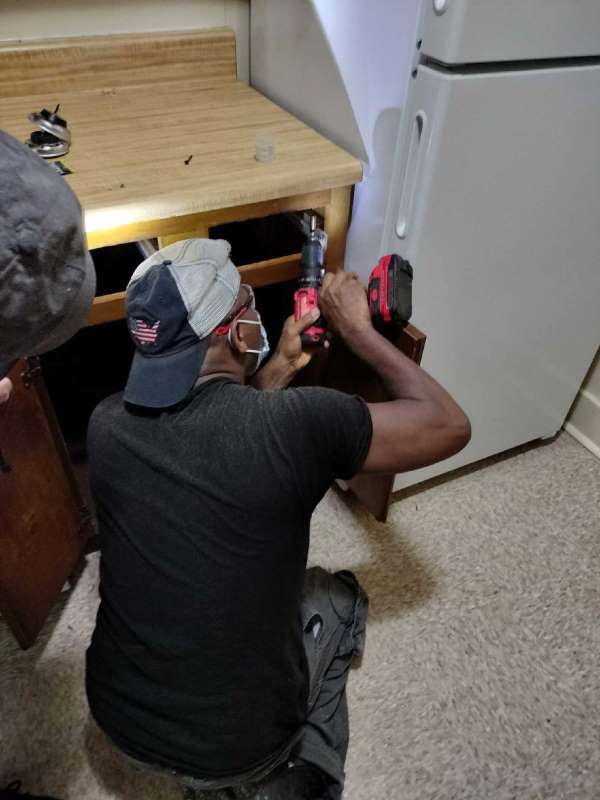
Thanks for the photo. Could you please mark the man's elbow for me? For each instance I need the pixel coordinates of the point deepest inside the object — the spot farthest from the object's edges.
(458, 432)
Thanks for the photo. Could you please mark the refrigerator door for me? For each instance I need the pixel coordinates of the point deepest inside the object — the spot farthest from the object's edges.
(473, 31)
(495, 202)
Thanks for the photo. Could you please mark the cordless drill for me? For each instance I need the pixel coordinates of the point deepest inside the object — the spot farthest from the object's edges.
(311, 276)
(389, 292)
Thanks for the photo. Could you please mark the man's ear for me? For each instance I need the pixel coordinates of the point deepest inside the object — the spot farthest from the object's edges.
(237, 338)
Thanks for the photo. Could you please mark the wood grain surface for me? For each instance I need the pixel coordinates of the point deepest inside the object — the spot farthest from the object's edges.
(100, 62)
(167, 146)
(110, 307)
(40, 513)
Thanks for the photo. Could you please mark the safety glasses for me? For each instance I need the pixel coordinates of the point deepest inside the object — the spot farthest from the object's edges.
(250, 304)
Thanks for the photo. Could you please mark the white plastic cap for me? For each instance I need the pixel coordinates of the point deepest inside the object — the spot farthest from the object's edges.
(265, 147)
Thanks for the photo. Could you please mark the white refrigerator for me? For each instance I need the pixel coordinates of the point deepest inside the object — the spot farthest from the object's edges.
(491, 188)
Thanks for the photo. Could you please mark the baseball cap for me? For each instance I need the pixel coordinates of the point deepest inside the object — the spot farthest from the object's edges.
(175, 299)
(47, 276)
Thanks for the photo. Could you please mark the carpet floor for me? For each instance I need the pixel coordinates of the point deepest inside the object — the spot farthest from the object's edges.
(481, 675)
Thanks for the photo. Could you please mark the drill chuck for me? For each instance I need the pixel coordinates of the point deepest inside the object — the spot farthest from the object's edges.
(311, 264)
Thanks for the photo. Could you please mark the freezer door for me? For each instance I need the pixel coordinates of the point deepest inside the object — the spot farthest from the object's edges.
(496, 204)
(473, 31)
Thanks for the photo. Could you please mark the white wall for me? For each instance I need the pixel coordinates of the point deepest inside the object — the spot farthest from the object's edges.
(345, 73)
(584, 420)
(33, 19)
(375, 54)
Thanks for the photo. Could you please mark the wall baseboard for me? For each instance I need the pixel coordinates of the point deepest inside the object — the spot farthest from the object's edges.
(584, 421)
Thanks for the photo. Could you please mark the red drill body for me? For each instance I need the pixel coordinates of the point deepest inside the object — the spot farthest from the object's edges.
(305, 300)
(307, 296)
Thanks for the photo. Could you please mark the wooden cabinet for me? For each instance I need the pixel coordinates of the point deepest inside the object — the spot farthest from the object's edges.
(43, 521)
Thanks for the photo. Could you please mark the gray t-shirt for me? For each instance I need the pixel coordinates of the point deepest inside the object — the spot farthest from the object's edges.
(197, 662)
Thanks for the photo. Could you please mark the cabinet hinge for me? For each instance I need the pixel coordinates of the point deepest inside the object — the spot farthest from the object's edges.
(32, 371)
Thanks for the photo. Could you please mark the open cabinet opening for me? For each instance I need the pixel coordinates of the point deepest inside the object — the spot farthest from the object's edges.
(259, 239)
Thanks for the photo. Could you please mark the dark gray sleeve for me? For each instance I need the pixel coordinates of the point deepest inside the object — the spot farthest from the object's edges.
(336, 429)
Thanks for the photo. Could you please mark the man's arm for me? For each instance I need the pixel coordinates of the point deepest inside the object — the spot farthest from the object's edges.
(289, 357)
(421, 424)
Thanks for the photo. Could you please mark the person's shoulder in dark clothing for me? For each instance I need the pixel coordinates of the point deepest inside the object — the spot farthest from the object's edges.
(325, 423)
(105, 413)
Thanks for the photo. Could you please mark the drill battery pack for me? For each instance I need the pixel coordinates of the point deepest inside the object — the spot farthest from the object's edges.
(390, 290)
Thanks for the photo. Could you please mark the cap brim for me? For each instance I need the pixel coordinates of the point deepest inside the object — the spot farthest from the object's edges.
(162, 381)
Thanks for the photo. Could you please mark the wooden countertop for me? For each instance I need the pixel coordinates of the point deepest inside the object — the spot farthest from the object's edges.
(134, 128)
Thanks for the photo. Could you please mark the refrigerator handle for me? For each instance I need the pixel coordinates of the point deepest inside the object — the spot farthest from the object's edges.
(411, 174)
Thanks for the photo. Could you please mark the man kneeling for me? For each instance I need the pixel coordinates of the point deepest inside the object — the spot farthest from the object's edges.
(217, 657)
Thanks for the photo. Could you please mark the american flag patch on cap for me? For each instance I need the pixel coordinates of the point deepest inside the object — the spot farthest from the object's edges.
(144, 333)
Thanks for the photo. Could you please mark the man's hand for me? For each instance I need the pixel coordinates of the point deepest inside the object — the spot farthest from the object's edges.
(289, 357)
(5, 389)
(343, 303)
(289, 349)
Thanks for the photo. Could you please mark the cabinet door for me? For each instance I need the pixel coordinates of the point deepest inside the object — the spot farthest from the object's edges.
(341, 369)
(43, 523)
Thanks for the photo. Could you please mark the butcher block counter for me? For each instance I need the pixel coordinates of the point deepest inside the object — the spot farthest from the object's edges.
(164, 142)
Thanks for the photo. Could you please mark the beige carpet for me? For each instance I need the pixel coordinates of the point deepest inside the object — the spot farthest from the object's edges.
(481, 677)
